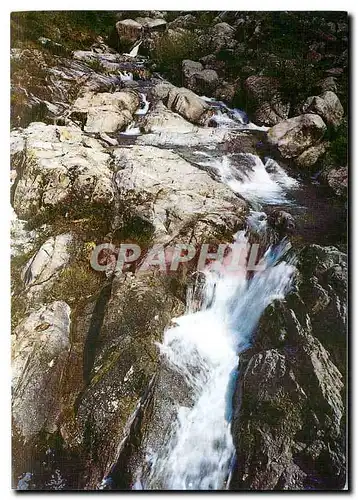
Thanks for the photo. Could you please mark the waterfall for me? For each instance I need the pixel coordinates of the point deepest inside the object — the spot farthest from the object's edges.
(204, 348)
(131, 130)
(247, 175)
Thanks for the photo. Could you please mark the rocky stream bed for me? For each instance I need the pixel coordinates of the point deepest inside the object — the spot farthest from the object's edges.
(186, 380)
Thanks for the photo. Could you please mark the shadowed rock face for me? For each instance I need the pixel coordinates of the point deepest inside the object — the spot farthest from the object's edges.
(290, 407)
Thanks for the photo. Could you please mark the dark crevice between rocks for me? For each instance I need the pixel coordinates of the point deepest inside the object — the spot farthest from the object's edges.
(94, 332)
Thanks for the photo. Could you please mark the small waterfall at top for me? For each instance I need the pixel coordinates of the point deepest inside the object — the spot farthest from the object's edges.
(132, 129)
(204, 347)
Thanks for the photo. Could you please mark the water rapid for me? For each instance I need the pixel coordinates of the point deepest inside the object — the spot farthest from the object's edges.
(204, 346)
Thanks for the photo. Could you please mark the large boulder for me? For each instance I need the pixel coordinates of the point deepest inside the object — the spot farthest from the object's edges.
(190, 67)
(160, 91)
(327, 84)
(310, 156)
(263, 93)
(199, 80)
(226, 91)
(59, 168)
(149, 24)
(204, 82)
(189, 105)
(161, 120)
(129, 31)
(271, 113)
(326, 105)
(126, 33)
(105, 112)
(261, 88)
(171, 194)
(293, 136)
(222, 36)
(187, 22)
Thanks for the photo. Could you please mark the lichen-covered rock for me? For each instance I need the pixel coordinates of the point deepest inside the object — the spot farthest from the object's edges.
(222, 35)
(112, 363)
(309, 157)
(161, 90)
(128, 31)
(42, 269)
(282, 221)
(161, 120)
(107, 60)
(293, 136)
(337, 179)
(172, 195)
(187, 22)
(204, 82)
(60, 167)
(327, 84)
(327, 105)
(271, 113)
(190, 67)
(202, 137)
(157, 24)
(226, 91)
(43, 85)
(261, 88)
(199, 80)
(263, 93)
(40, 345)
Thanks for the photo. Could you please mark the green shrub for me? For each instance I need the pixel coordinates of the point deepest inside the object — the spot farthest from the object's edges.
(74, 29)
(170, 50)
(96, 65)
(337, 154)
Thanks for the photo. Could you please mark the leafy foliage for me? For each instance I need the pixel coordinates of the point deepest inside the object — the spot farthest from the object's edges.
(74, 29)
(338, 151)
(170, 50)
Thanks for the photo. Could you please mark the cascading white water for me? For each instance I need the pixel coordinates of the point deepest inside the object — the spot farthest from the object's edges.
(254, 183)
(204, 345)
(131, 130)
(231, 118)
(204, 348)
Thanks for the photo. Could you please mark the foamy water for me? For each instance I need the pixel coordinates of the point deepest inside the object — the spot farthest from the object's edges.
(204, 347)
